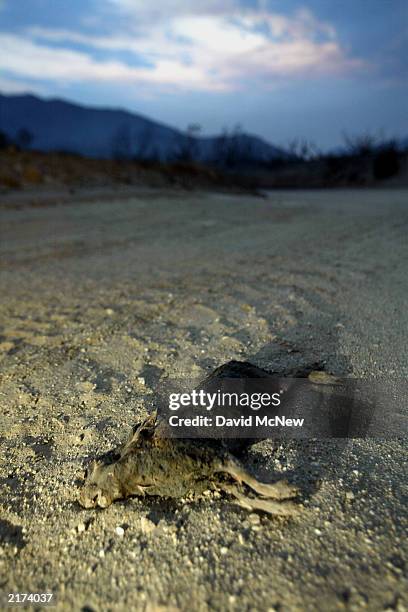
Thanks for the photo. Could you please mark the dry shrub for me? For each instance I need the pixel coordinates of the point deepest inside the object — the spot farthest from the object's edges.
(31, 174)
(9, 181)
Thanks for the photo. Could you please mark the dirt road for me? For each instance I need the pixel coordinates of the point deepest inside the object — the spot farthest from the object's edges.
(102, 298)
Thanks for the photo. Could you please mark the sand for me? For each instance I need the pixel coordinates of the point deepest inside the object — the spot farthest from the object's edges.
(100, 299)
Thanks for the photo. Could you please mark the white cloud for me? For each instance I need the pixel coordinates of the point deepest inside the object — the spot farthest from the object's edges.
(27, 59)
(198, 49)
(165, 9)
(11, 86)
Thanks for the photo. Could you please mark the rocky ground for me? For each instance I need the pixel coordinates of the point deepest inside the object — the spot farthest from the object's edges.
(102, 298)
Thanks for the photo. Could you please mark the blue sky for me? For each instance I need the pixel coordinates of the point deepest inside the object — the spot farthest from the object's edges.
(280, 68)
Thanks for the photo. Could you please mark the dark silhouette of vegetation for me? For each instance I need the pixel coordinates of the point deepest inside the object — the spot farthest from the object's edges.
(303, 149)
(385, 155)
(233, 149)
(24, 138)
(4, 140)
(236, 157)
(387, 161)
(188, 150)
(360, 145)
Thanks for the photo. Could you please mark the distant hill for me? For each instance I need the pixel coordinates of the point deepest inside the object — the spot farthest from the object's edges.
(57, 125)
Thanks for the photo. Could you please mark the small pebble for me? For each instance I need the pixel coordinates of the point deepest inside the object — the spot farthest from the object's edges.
(254, 519)
(147, 525)
(120, 531)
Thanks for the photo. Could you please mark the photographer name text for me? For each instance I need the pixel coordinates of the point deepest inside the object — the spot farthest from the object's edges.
(242, 421)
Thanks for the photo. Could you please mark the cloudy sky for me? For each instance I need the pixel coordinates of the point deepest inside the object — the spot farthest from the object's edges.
(280, 68)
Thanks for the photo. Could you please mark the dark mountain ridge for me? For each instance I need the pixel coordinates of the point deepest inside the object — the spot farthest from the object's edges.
(58, 125)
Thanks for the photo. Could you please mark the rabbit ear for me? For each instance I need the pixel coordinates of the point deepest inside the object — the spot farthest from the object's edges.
(147, 426)
(144, 429)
